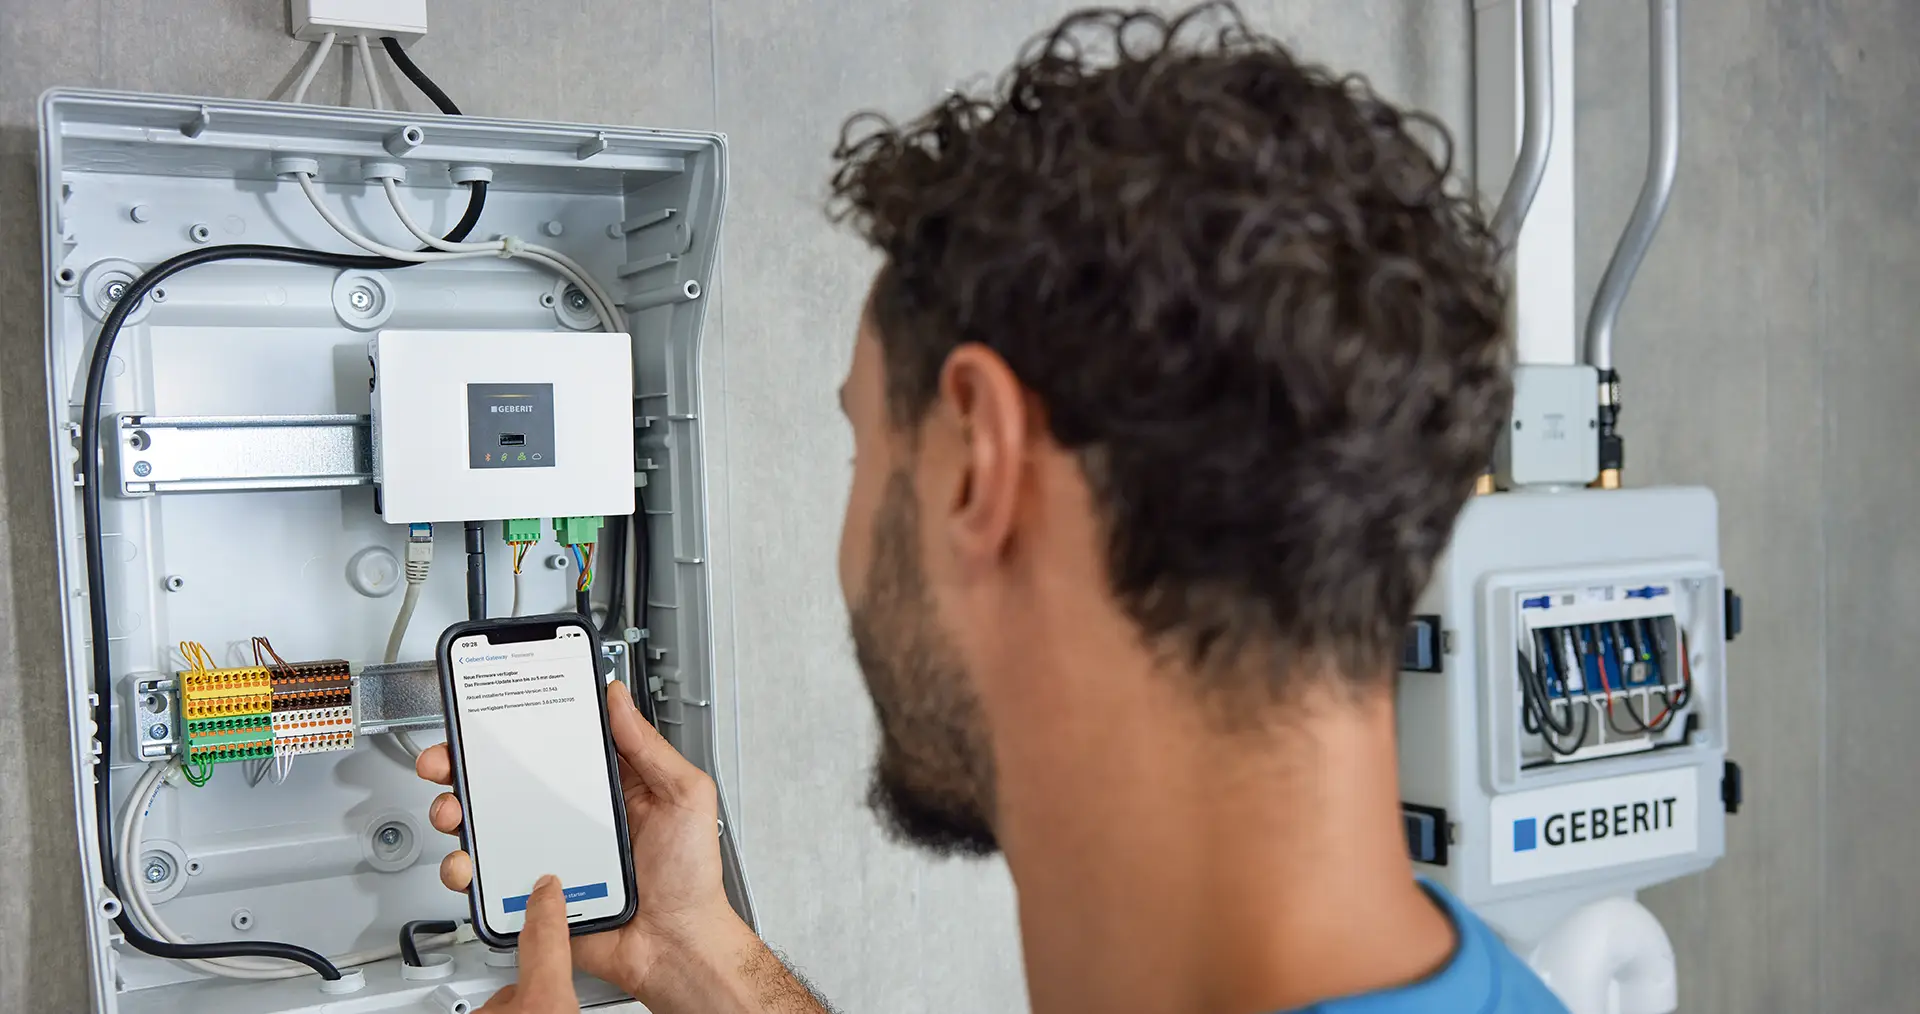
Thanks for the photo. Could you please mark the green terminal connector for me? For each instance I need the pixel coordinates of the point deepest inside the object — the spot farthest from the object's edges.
(577, 531)
(241, 737)
(521, 529)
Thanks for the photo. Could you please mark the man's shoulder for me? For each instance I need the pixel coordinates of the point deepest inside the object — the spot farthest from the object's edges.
(1484, 976)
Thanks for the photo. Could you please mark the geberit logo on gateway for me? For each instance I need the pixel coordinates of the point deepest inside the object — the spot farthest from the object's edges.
(506, 409)
(1599, 824)
(1594, 824)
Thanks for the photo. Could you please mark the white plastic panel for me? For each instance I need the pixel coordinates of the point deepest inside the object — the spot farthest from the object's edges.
(562, 405)
(292, 861)
(1462, 747)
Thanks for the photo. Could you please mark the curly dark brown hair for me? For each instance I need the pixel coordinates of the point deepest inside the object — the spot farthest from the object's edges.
(1249, 297)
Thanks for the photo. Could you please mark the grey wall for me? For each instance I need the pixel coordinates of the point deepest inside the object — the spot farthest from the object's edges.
(1767, 353)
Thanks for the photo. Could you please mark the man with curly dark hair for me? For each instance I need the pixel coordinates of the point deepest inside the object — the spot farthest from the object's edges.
(1182, 359)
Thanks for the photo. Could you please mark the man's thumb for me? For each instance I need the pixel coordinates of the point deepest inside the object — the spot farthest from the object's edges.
(546, 954)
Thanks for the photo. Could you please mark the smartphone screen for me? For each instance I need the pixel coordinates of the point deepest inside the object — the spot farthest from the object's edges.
(529, 731)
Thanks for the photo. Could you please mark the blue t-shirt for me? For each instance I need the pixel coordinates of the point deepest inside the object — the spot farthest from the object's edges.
(1483, 977)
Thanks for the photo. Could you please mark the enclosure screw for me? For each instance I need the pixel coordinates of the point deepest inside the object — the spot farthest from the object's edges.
(361, 298)
(157, 870)
(390, 836)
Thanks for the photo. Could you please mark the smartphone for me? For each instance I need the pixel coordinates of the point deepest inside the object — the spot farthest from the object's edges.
(536, 772)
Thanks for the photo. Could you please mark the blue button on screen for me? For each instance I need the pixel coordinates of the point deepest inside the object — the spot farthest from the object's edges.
(518, 903)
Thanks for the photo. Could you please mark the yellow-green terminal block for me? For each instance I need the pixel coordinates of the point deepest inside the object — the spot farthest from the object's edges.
(240, 737)
(577, 531)
(223, 754)
(520, 530)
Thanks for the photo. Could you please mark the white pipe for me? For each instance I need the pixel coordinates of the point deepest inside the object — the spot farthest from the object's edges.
(1610, 957)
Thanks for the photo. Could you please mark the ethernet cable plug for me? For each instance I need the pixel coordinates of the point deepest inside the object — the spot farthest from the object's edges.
(419, 552)
(515, 530)
(577, 531)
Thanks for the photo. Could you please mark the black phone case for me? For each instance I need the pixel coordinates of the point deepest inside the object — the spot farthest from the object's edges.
(443, 658)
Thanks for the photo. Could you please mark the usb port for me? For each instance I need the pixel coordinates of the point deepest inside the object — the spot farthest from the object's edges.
(512, 439)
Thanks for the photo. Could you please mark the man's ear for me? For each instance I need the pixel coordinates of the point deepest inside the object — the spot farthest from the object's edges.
(991, 419)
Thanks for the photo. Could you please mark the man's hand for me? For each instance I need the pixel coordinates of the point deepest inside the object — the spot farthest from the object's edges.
(546, 962)
(684, 949)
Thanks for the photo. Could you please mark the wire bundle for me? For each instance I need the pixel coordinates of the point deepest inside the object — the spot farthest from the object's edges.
(1613, 647)
(520, 549)
(196, 770)
(583, 582)
(583, 559)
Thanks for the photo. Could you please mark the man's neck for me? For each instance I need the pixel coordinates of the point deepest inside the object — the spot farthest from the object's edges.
(1166, 864)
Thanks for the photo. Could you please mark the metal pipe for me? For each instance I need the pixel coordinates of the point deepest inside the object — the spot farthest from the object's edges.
(1663, 164)
(1536, 134)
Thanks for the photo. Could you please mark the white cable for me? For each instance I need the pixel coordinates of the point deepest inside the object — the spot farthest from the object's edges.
(366, 67)
(420, 233)
(517, 597)
(408, 602)
(554, 259)
(313, 68)
(305, 180)
(140, 908)
(417, 570)
(604, 306)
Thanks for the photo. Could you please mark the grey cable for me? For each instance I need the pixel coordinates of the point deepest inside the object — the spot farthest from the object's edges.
(1536, 135)
(1663, 165)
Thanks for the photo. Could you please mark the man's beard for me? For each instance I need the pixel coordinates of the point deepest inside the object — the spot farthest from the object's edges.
(932, 784)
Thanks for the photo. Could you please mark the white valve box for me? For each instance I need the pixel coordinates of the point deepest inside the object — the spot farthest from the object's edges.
(1562, 703)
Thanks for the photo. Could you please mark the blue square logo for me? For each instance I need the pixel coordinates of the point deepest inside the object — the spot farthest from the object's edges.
(1525, 835)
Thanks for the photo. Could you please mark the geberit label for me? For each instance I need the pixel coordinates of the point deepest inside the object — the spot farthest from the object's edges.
(1593, 825)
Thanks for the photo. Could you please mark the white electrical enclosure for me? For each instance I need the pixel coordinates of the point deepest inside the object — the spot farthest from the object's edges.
(501, 424)
(237, 499)
(1549, 439)
(405, 20)
(1606, 776)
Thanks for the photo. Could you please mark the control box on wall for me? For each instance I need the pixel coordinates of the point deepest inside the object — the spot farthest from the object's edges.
(1562, 710)
(255, 455)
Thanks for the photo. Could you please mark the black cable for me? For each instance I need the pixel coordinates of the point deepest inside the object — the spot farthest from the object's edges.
(97, 617)
(409, 949)
(583, 603)
(418, 77)
(476, 570)
(1611, 641)
(1551, 662)
(1676, 701)
(1609, 651)
(614, 563)
(1530, 707)
(643, 588)
(1532, 691)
